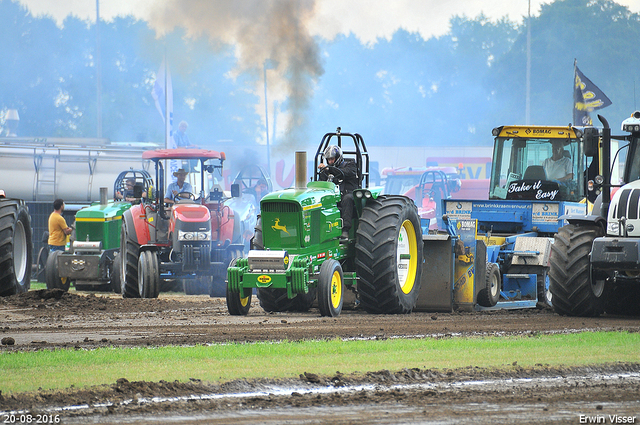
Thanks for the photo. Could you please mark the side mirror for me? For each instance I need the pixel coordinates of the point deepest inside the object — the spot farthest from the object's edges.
(591, 139)
(235, 190)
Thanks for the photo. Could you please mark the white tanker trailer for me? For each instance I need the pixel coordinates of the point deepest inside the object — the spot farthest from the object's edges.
(74, 169)
(40, 170)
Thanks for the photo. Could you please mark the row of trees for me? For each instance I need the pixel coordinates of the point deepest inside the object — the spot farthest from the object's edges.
(448, 90)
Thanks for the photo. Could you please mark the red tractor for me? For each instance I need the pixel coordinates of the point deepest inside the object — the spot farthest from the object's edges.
(192, 239)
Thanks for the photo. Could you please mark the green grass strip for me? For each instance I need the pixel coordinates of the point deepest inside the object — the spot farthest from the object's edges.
(28, 371)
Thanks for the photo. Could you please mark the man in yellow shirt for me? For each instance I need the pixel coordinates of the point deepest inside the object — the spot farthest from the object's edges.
(58, 229)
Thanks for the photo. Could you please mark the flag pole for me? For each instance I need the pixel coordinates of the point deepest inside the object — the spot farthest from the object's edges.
(167, 118)
(575, 100)
(528, 72)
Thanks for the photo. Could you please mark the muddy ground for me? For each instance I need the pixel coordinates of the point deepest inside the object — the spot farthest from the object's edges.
(52, 319)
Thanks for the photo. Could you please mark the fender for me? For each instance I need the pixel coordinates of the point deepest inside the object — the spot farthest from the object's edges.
(135, 217)
(222, 224)
(585, 219)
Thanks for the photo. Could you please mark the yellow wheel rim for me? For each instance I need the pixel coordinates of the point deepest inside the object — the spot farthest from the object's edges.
(336, 289)
(407, 256)
(244, 301)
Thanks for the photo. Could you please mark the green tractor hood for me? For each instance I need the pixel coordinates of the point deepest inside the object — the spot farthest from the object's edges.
(301, 220)
(101, 222)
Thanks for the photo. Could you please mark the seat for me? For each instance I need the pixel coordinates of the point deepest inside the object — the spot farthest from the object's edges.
(535, 172)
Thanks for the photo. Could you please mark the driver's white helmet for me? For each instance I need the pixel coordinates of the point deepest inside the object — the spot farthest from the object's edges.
(335, 152)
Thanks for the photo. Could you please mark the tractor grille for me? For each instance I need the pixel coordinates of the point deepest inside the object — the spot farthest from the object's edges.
(628, 204)
(280, 207)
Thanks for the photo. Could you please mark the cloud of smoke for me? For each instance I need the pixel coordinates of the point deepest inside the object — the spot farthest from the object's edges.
(262, 30)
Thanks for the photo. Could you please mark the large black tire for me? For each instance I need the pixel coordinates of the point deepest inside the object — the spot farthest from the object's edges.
(330, 289)
(573, 291)
(148, 275)
(16, 247)
(237, 305)
(116, 274)
(490, 294)
(276, 299)
(53, 278)
(129, 250)
(389, 229)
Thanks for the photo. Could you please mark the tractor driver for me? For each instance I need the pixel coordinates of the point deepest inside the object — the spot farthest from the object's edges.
(346, 177)
(178, 186)
(558, 167)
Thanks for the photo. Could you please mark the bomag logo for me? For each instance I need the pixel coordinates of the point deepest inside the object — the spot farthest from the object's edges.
(264, 278)
(278, 226)
(537, 131)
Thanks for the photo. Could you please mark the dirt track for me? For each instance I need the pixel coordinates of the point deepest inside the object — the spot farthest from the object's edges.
(50, 319)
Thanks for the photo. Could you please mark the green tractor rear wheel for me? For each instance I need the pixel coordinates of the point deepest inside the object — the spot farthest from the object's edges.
(330, 289)
(389, 255)
(116, 273)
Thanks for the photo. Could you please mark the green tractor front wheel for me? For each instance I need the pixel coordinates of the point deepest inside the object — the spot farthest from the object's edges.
(52, 274)
(237, 305)
(330, 289)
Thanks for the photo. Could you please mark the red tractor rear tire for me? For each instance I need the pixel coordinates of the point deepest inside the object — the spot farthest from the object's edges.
(129, 250)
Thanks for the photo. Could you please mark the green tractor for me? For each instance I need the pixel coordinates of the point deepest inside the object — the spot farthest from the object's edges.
(92, 261)
(297, 251)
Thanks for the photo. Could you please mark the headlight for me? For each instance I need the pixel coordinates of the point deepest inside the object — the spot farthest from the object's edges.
(194, 236)
(613, 228)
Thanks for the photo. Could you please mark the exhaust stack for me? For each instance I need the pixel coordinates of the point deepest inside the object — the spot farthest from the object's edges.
(301, 170)
(103, 196)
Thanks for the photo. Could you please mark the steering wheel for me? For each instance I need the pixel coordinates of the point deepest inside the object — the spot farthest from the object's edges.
(184, 195)
(330, 170)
